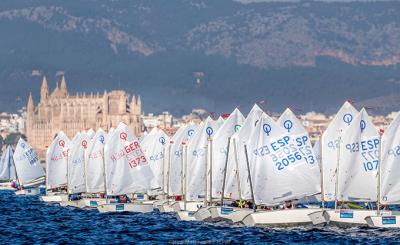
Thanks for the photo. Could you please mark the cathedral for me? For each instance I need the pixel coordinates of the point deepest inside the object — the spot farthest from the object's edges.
(59, 111)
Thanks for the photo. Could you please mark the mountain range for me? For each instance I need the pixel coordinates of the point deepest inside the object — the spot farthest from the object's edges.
(184, 54)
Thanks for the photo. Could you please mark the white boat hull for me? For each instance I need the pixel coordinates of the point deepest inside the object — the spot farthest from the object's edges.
(6, 186)
(185, 216)
(229, 214)
(126, 207)
(57, 198)
(384, 220)
(190, 206)
(203, 214)
(158, 203)
(28, 192)
(94, 202)
(166, 208)
(75, 203)
(281, 218)
(342, 217)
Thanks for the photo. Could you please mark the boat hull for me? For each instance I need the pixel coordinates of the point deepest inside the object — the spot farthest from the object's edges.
(94, 202)
(190, 206)
(229, 214)
(166, 208)
(185, 216)
(279, 218)
(75, 203)
(385, 220)
(6, 186)
(28, 192)
(57, 198)
(126, 207)
(203, 214)
(342, 217)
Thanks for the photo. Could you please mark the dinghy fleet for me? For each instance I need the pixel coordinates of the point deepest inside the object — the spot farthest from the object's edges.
(249, 170)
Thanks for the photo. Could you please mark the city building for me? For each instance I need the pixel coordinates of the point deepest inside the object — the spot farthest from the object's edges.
(60, 111)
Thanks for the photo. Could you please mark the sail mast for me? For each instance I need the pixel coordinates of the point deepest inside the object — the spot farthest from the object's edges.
(249, 176)
(225, 170)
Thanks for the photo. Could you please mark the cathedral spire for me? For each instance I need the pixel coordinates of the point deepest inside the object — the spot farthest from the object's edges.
(133, 104)
(30, 103)
(64, 90)
(56, 92)
(44, 92)
(139, 105)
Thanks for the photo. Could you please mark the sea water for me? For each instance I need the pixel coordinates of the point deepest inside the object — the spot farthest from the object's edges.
(26, 220)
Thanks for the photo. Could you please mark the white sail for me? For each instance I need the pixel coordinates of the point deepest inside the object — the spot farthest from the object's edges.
(330, 147)
(56, 161)
(175, 180)
(95, 163)
(237, 158)
(7, 167)
(358, 161)
(280, 172)
(389, 171)
(301, 140)
(90, 133)
(317, 151)
(127, 169)
(154, 146)
(196, 159)
(27, 163)
(76, 164)
(220, 147)
(110, 133)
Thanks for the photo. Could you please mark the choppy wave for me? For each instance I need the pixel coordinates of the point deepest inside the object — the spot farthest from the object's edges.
(27, 220)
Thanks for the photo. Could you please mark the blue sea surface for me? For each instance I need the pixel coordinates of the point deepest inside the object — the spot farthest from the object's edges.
(26, 220)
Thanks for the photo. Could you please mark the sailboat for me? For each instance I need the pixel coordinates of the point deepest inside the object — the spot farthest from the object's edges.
(76, 184)
(388, 179)
(218, 162)
(94, 170)
(237, 183)
(282, 173)
(196, 169)
(357, 163)
(56, 169)
(127, 172)
(154, 146)
(175, 168)
(329, 155)
(29, 171)
(7, 169)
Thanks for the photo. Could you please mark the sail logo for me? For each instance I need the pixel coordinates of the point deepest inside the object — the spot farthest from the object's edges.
(363, 125)
(162, 140)
(61, 143)
(288, 125)
(102, 139)
(267, 128)
(347, 118)
(237, 127)
(209, 131)
(123, 136)
(84, 144)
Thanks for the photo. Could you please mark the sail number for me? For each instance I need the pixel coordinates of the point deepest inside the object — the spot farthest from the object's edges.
(157, 156)
(284, 151)
(369, 153)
